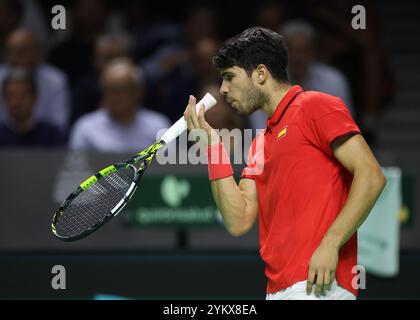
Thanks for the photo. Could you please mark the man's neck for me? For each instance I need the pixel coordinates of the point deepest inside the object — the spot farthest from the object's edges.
(275, 95)
(24, 126)
(127, 120)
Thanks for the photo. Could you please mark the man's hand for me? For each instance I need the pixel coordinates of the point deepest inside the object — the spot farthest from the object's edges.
(198, 122)
(322, 269)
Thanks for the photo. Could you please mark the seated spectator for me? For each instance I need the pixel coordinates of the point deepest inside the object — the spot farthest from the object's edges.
(11, 16)
(168, 69)
(304, 70)
(21, 127)
(204, 71)
(52, 105)
(123, 125)
(74, 54)
(87, 92)
(270, 14)
(361, 55)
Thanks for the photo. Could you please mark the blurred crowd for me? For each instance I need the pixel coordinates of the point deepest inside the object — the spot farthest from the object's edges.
(120, 72)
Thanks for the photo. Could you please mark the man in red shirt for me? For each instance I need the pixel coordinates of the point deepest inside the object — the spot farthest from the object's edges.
(312, 181)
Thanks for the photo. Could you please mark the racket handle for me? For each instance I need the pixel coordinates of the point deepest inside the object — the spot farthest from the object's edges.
(181, 125)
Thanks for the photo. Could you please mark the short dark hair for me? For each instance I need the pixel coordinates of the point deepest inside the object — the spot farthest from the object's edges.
(252, 47)
(20, 75)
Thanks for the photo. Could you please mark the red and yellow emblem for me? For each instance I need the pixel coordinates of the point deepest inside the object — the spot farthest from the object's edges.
(282, 133)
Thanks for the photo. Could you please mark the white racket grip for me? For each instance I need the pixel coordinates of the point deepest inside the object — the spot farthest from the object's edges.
(181, 125)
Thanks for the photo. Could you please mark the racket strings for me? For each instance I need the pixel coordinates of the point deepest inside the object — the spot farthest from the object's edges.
(95, 203)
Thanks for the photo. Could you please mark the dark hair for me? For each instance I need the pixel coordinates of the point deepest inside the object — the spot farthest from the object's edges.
(252, 47)
(20, 75)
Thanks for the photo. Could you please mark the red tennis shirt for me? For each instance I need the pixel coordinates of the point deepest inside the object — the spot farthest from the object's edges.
(301, 185)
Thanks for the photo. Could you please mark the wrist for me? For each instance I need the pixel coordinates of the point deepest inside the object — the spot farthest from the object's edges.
(214, 138)
(218, 162)
(331, 242)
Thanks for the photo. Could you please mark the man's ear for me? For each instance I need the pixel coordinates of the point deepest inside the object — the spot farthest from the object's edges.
(261, 74)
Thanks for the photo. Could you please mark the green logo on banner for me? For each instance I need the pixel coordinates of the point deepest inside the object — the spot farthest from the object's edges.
(173, 191)
(171, 201)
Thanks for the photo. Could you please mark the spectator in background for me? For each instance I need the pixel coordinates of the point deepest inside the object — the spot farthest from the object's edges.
(75, 55)
(35, 19)
(123, 125)
(203, 68)
(200, 23)
(360, 54)
(11, 13)
(305, 70)
(87, 92)
(188, 77)
(52, 105)
(168, 69)
(270, 15)
(22, 128)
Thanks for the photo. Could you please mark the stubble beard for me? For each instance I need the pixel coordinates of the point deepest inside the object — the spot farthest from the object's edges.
(253, 100)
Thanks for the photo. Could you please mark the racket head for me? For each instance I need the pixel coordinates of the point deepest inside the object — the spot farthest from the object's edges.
(100, 198)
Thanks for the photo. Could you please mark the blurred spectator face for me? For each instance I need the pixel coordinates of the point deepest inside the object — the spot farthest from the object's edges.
(200, 24)
(121, 90)
(203, 53)
(89, 16)
(23, 50)
(270, 16)
(10, 15)
(300, 54)
(107, 50)
(19, 100)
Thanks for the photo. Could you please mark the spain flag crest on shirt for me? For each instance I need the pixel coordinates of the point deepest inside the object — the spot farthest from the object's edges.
(282, 133)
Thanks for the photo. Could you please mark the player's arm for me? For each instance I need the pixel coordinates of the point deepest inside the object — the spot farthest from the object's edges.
(237, 203)
(368, 182)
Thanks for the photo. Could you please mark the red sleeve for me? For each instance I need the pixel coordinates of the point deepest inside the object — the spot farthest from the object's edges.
(322, 129)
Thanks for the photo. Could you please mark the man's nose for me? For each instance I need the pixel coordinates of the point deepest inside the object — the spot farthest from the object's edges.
(223, 89)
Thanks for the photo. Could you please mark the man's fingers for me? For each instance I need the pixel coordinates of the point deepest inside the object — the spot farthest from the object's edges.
(327, 283)
(190, 115)
(192, 112)
(311, 280)
(319, 282)
(187, 114)
(332, 277)
(187, 119)
(201, 120)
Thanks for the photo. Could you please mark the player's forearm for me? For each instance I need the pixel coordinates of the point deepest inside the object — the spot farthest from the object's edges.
(232, 205)
(366, 187)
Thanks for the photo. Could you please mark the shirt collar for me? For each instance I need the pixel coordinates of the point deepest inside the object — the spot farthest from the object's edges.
(283, 104)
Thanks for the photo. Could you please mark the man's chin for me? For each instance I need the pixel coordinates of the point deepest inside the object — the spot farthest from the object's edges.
(246, 113)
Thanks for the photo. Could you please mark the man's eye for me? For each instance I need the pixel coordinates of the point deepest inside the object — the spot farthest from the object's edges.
(228, 77)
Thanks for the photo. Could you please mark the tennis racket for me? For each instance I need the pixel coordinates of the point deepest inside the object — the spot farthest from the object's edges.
(102, 196)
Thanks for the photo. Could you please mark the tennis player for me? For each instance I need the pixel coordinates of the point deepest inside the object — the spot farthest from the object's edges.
(313, 183)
